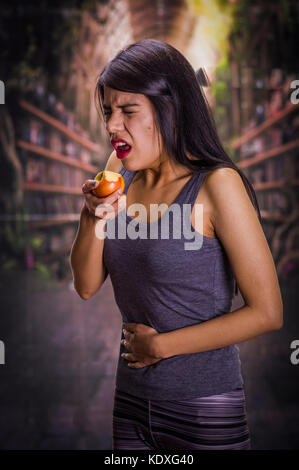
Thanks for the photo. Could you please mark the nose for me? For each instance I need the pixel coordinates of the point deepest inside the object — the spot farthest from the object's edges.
(114, 124)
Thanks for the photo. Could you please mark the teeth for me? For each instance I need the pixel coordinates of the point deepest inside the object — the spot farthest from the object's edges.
(118, 144)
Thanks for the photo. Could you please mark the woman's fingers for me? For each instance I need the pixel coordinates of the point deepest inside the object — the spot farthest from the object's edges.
(108, 210)
(104, 207)
(89, 185)
(125, 344)
(133, 360)
(129, 356)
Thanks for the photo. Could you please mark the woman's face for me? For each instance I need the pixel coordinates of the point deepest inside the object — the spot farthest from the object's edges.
(134, 124)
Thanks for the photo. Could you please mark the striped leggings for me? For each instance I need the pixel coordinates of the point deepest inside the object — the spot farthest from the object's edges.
(217, 422)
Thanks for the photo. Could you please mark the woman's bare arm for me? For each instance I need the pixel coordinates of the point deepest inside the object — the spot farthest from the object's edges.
(88, 268)
(86, 258)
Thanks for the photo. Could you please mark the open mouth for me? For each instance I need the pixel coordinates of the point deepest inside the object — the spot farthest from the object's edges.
(123, 148)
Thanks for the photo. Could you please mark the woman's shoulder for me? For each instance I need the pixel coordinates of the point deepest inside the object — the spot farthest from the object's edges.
(221, 181)
(216, 184)
(224, 192)
(223, 174)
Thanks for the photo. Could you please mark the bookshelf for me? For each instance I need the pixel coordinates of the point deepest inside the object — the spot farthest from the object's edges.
(268, 154)
(69, 218)
(54, 254)
(51, 188)
(38, 150)
(271, 121)
(57, 156)
(71, 134)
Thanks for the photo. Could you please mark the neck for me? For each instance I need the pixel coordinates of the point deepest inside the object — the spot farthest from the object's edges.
(165, 173)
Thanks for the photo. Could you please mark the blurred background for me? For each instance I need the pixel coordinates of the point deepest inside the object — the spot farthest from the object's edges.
(58, 353)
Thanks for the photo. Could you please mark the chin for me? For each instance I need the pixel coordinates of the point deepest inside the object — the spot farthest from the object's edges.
(130, 167)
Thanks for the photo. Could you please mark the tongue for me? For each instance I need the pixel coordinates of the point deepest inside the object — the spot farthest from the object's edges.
(124, 148)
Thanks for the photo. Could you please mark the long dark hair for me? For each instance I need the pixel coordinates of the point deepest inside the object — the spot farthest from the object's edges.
(157, 70)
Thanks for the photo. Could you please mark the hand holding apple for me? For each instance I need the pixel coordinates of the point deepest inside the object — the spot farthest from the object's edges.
(115, 199)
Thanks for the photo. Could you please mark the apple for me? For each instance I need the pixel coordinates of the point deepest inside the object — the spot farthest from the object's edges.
(109, 182)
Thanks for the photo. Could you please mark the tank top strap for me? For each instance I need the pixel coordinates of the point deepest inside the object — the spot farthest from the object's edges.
(127, 176)
(190, 191)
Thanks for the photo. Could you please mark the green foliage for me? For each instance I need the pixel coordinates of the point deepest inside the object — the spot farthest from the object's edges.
(43, 270)
(37, 40)
(220, 87)
(284, 18)
(220, 91)
(231, 152)
(289, 18)
(35, 242)
(15, 238)
(9, 264)
(222, 94)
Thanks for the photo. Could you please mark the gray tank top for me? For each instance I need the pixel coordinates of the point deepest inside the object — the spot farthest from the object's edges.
(170, 283)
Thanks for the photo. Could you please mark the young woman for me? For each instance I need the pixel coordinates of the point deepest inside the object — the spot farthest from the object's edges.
(178, 381)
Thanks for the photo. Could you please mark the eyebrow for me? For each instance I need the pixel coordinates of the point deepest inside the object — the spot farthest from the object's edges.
(121, 106)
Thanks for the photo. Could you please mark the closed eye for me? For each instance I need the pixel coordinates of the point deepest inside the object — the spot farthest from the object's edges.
(126, 112)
